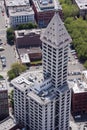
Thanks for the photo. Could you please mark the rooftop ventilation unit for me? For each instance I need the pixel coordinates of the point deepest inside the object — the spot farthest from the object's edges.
(44, 2)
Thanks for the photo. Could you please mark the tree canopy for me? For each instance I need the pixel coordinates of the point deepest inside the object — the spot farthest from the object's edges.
(78, 31)
(26, 26)
(77, 28)
(10, 36)
(16, 70)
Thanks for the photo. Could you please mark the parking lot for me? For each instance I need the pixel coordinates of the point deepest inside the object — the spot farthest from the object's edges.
(7, 57)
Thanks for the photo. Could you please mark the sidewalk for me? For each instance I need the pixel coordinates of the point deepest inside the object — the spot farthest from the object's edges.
(73, 126)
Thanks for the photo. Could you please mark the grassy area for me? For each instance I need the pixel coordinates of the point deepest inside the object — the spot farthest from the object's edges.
(36, 62)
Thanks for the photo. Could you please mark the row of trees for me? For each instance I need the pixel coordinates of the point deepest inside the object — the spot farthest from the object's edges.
(26, 26)
(77, 28)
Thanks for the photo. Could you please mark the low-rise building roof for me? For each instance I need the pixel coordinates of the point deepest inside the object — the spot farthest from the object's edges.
(82, 4)
(79, 87)
(24, 58)
(3, 85)
(21, 11)
(11, 3)
(46, 5)
(7, 124)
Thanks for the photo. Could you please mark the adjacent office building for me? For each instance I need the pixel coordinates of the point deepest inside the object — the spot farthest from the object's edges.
(28, 38)
(79, 106)
(11, 4)
(21, 15)
(42, 100)
(79, 96)
(82, 6)
(4, 110)
(44, 11)
(19, 12)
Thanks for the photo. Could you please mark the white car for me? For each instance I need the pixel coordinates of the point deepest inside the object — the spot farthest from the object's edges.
(1, 48)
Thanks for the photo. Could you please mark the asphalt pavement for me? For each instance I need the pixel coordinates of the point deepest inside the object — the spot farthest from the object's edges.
(75, 68)
(9, 52)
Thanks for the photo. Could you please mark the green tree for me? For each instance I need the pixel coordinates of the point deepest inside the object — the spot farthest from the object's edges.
(1, 77)
(10, 36)
(85, 64)
(20, 27)
(11, 74)
(16, 70)
(26, 26)
(70, 10)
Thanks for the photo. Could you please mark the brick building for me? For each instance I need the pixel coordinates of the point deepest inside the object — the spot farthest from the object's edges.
(29, 55)
(79, 98)
(44, 11)
(28, 38)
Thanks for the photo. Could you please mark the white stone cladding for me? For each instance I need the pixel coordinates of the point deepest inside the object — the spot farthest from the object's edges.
(46, 101)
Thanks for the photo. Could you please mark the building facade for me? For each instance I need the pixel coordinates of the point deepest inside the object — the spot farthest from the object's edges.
(21, 15)
(82, 6)
(55, 43)
(46, 101)
(79, 89)
(4, 110)
(28, 38)
(44, 11)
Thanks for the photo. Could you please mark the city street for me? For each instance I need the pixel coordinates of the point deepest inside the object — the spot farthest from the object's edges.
(74, 66)
(9, 51)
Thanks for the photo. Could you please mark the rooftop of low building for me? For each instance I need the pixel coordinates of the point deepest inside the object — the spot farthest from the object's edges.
(82, 4)
(46, 5)
(18, 11)
(11, 3)
(79, 86)
(7, 124)
(30, 32)
(3, 85)
(23, 51)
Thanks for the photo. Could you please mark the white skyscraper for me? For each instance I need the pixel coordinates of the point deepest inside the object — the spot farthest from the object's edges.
(44, 103)
(55, 45)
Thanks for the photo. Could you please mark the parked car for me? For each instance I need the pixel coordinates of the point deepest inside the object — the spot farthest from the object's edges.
(78, 116)
(2, 57)
(1, 48)
(4, 64)
(3, 60)
(1, 42)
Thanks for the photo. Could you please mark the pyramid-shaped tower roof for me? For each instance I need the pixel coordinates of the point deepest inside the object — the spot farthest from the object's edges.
(56, 33)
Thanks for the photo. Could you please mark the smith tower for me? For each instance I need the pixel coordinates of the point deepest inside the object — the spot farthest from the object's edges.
(55, 45)
(43, 103)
